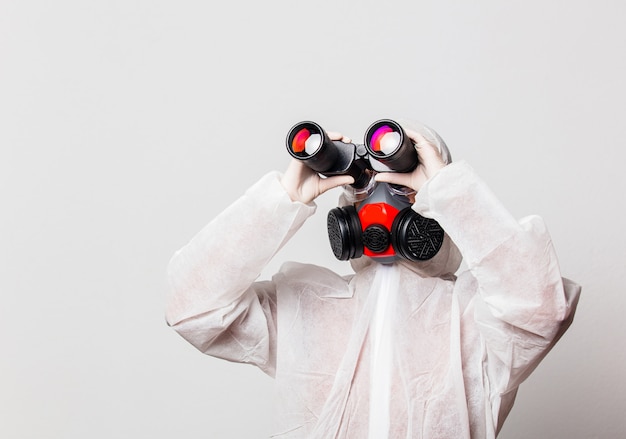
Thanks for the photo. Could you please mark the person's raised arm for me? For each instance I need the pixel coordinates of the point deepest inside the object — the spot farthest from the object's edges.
(215, 302)
(522, 305)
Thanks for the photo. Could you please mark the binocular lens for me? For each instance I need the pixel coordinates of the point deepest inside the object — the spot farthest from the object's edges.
(385, 140)
(389, 147)
(305, 144)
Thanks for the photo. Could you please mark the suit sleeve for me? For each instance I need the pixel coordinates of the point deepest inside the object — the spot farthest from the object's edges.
(521, 305)
(216, 303)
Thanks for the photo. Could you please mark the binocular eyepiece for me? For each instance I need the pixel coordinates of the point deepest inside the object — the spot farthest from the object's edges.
(387, 149)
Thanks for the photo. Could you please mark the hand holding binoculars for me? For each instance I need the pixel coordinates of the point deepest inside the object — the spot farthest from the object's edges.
(387, 149)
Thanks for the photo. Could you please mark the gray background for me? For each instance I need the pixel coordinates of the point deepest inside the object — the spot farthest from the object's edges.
(125, 125)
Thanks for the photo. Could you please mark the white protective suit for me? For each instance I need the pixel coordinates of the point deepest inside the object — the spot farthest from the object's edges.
(407, 350)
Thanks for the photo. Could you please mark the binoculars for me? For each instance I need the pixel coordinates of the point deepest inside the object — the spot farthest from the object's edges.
(386, 149)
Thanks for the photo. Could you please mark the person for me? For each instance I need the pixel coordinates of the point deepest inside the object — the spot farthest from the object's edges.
(403, 349)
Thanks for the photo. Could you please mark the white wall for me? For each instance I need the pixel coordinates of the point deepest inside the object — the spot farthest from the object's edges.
(126, 125)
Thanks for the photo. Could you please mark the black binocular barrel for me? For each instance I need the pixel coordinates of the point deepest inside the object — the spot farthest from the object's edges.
(307, 141)
(387, 143)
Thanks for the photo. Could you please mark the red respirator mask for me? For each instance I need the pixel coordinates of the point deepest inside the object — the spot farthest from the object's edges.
(384, 227)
